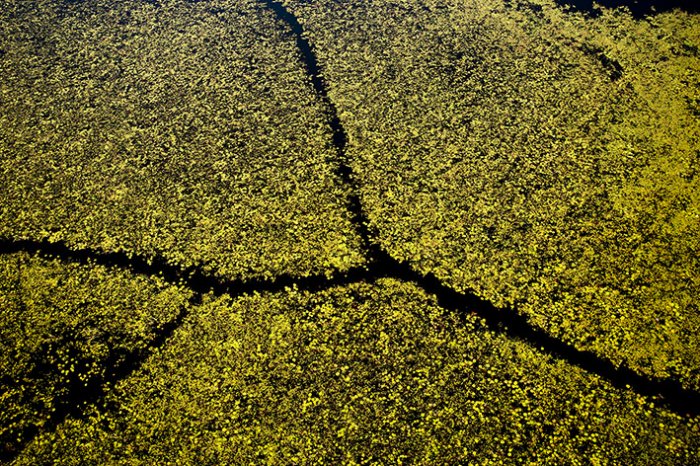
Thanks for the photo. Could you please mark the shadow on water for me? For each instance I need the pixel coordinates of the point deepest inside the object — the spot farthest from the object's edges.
(638, 8)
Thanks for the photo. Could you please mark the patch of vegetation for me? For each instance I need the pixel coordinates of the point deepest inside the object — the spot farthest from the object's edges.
(543, 158)
(63, 328)
(361, 374)
(186, 130)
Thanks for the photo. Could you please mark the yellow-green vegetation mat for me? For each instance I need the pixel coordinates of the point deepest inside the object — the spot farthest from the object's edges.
(63, 327)
(545, 159)
(168, 167)
(186, 130)
(363, 374)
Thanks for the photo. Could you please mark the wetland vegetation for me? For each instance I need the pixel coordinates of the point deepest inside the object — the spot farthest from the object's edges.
(349, 232)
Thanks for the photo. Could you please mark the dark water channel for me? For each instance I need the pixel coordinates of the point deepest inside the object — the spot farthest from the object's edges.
(638, 8)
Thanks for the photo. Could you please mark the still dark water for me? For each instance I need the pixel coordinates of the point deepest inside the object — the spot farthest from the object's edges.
(639, 8)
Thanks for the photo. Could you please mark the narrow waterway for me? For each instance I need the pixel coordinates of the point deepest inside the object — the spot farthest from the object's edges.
(508, 321)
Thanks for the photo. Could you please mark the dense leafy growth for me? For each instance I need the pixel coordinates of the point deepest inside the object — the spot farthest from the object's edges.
(363, 374)
(544, 159)
(186, 130)
(62, 326)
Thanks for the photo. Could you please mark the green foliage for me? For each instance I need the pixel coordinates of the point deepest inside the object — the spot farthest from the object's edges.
(362, 374)
(493, 146)
(188, 131)
(496, 150)
(60, 324)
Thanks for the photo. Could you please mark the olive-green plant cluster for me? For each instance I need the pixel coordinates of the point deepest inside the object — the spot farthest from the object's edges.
(187, 130)
(544, 159)
(60, 326)
(363, 374)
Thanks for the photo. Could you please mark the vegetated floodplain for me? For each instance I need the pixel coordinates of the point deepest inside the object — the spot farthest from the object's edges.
(541, 157)
(538, 157)
(368, 373)
(63, 328)
(183, 129)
